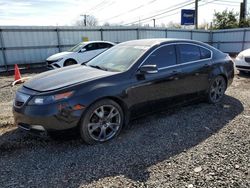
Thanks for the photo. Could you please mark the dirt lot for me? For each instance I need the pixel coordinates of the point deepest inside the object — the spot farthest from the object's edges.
(200, 145)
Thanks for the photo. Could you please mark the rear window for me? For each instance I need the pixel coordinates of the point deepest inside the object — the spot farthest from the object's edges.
(105, 45)
(190, 53)
(205, 53)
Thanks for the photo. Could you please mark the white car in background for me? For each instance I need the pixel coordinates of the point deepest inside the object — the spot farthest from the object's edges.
(80, 53)
(242, 61)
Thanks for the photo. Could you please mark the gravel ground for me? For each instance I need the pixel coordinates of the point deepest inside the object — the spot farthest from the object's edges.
(199, 145)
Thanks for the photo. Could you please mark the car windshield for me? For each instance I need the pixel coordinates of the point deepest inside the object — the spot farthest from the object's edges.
(76, 48)
(118, 58)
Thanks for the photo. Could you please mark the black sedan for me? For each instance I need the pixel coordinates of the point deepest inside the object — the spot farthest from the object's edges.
(129, 80)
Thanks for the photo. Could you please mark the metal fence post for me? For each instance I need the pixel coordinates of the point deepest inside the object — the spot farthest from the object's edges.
(166, 33)
(3, 50)
(218, 45)
(137, 33)
(58, 39)
(191, 33)
(243, 40)
(211, 36)
(101, 30)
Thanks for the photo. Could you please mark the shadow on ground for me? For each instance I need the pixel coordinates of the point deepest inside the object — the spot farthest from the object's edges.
(146, 142)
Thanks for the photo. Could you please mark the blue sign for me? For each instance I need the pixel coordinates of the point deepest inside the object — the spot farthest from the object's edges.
(187, 17)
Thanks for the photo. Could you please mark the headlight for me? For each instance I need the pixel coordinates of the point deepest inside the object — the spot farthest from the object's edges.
(53, 61)
(240, 56)
(58, 60)
(40, 100)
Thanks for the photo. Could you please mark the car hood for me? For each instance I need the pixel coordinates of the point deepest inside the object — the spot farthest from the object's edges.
(58, 56)
(66, 76)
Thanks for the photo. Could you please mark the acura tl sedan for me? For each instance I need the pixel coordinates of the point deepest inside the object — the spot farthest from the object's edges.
(80, 53)
(131, 79)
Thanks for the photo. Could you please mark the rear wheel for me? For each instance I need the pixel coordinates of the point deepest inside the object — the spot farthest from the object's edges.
(217, 89)
(101, 122)
(69, 62)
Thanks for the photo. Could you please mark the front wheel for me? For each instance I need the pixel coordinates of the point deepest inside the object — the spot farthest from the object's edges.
(217, 89)
(69, 62)
(102, 121)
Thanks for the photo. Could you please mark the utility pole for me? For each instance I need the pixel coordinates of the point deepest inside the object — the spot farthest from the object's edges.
(154, 22)
(84, 19)
(196, 14)
(243, 12)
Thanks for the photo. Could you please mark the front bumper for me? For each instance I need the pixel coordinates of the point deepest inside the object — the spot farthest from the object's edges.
(45, 118)
(242, 65)
(54, 64)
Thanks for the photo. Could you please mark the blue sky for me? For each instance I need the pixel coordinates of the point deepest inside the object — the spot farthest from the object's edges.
(67, 12)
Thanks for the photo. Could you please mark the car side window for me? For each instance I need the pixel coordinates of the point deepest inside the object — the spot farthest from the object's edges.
(188, 53)
(162, 57)
(104, 45)
(205, 54)
(93, 46)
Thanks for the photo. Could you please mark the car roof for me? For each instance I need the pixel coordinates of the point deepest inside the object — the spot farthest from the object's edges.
(91, 42)
(155, 41)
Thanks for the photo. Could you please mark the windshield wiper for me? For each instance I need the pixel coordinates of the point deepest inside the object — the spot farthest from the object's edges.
(98, 67)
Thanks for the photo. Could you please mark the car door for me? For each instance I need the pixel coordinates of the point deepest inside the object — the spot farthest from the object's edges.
(89, 52)
(195, 63)
(155, 91)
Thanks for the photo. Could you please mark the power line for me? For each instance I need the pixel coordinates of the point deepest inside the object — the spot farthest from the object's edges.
(160, 11)
(218, 3)
(204, 3)
(100, 5)
(131, 10)
(227, 1)
(177, 6)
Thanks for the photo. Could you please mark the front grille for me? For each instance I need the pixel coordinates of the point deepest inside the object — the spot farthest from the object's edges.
(50, 62)
(247, 59)
(243, 67)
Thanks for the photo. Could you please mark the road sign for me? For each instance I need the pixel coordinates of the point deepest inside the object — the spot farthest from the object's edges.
(187, 17)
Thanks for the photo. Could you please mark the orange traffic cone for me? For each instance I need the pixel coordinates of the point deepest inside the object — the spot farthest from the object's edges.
(17, 74)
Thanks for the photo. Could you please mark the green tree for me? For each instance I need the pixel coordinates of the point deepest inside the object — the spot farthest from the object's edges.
(245, 23)
(225, 20)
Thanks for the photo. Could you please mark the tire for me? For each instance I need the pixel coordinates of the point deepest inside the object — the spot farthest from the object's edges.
(69, 62)
(216, 90)
(101, 122)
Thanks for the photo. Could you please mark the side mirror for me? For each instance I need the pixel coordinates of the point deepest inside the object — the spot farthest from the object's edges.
(148, 69)
(82, 50)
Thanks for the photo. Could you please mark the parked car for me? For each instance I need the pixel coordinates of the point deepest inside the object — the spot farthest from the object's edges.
(129, 80)
(242, 61)
(80, 53)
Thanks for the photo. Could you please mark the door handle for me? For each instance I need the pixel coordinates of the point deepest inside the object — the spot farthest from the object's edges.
(206, 65)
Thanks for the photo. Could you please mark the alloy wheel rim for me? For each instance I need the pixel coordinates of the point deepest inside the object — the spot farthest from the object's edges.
(104, 123)
(217, 89)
